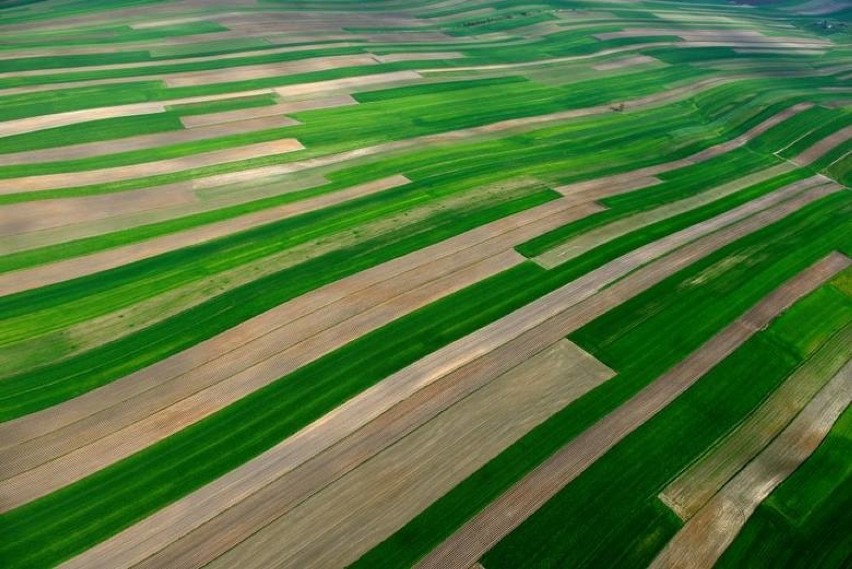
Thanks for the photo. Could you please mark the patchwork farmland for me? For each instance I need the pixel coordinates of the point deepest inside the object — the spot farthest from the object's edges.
(450, 284)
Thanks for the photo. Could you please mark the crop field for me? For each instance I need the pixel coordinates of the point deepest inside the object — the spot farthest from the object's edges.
(447, 284)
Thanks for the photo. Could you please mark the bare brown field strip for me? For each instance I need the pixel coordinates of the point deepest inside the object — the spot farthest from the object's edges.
(145, 141)
(687, 494)
(506, 513)
(740, 38)
(168, 166)
(70, 268)
(27, 217)
(706, 535)
(41, 122)
(336, 526)
(754, 132)
(248, 72)
(310, 314)
(535, 321)
(348, 84)
(823, 147)
(625, 62)
(201, 121)
(418, 56)
(596, 237)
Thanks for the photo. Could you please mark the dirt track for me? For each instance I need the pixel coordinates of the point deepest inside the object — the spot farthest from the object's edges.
(704, 538)
(101, 261)
(506, 513)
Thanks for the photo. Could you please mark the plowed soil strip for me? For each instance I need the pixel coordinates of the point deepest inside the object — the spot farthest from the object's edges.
(172, 165)
(336, 526)
(28, 217)
(823, 147)
(625, 62)
(31, 124)
(145, 141)
(705, 536)
(539, 324)
(697, 485)
(577, 246)
(506, 513)
(249, 72)
(273, 353)
(348, 84)
(111, 258)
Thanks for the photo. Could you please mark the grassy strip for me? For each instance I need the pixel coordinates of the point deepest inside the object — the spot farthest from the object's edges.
(645, 348)
(66, 61)
(804, 523)
(42, 387)
(616, 498)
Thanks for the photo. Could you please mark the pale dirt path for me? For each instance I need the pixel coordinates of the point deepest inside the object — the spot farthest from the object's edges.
(823, 147)
(339, 524)
(144, 169)
(693, 488)
(506, 513)
(539, 324)
(260, 71)
(587, 241)
(80, 266)
(707, 535)
(625, 62)
(225, 377)
(145, 141)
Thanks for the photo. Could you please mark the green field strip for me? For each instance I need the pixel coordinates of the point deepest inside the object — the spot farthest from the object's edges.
(222, 105)
(259, 421)
(65, 61)
(643, 325)
(625, 517)
(804, 522)
(839, 119)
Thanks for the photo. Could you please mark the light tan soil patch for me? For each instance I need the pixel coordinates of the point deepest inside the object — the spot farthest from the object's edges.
(708, 534)
(169, 166)
(146, 141)
(248, 72)
(336, 526)
(696, 486)
(585, 242)
(625, 62)
(31, 124)
(506, 513)
(348, 84)
(96, 262)
(823, 147)
(26, 217)
(424, 56)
